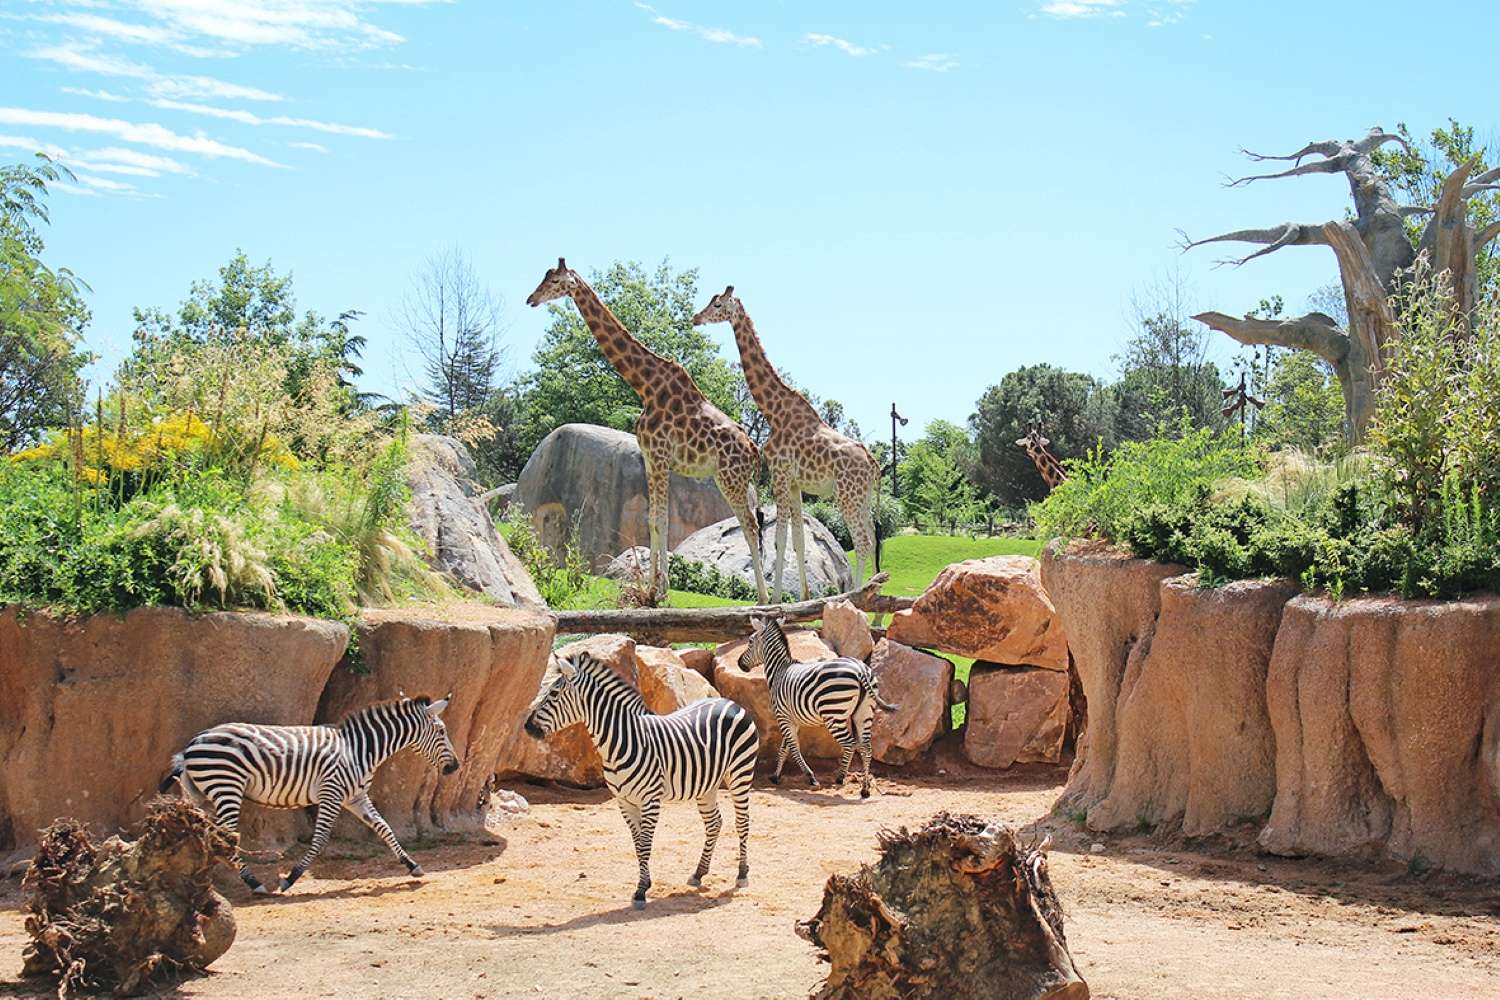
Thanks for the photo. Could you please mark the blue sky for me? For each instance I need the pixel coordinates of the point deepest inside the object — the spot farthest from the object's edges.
(911, 199)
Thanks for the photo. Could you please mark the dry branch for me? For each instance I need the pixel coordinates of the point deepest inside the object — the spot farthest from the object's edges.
(715, 624)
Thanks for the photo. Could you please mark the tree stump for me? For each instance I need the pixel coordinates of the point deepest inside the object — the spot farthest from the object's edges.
(114, 914)
(958, 910)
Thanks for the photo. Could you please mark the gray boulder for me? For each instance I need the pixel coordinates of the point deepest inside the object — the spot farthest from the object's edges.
(633, 563)
(723, 546)
(596, 475)
(447, 513)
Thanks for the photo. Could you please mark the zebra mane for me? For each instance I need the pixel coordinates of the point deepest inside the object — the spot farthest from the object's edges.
(607, 679)
(388, 707)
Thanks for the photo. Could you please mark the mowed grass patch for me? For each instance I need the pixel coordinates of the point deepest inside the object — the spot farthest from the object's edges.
(914, 561)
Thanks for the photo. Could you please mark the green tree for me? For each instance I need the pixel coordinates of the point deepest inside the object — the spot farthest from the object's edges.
(934, 475)
(1074, 411)
(42, 316)
(1304, 407)
(453, 321)
(573, 383)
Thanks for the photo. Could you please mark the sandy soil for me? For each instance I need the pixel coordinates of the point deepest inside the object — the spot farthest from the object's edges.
(543, 911)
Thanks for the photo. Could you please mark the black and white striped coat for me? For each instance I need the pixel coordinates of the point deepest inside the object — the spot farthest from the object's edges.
(289, 767)
(840, 694)
(650, 759)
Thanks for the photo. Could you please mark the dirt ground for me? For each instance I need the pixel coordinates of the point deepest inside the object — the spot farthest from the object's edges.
(543, 911)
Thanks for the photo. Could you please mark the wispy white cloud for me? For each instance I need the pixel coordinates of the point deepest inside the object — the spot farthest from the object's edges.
(30, 145)
(1070, 10)
(98, 95)
(86, 59)
(719, 36)
(315, 147)
(140, 133)
(250, 118)
(116, 160)
(933, 62)
(1159, 16)
(104, 183)
(842, 44)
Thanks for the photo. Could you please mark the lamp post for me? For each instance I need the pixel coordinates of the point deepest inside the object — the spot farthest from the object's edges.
(896, 420)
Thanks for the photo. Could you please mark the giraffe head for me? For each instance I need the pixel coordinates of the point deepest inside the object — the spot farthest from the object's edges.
(559, 282)
(722, 308)
(1033, 442)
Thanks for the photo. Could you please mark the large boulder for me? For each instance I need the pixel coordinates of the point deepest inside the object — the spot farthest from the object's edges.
(1195, 744)
(1015, 715)
(490, 659)
(1107, 603)
(596, 476)
(700, 660)
(569, 756)
(751, 690)
(1387, 723)
(847, 630)
(632, 564)
(990, 609)
(722, 545)
(447, 513)
(92, 709)
(666, 682)
(918, 684)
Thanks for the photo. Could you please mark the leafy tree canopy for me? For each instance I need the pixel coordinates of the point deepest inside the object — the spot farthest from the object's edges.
(1074, 411)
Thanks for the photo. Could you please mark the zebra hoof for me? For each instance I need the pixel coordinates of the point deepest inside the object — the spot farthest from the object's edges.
(742, 881)
(285, 885)
(261, 890)
(416, 871)
(813, 783)
(639, 904)
(864, 793)
(696, 881)
(775, 779)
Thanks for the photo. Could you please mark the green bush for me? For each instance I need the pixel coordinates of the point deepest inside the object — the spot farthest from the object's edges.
(890, 518)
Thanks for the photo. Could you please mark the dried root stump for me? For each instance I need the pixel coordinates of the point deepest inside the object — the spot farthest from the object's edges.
(957, 910)
(115, 914)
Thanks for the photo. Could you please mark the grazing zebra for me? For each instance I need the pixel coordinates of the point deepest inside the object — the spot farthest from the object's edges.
(840, 694)
(650, 759)
(288, 767)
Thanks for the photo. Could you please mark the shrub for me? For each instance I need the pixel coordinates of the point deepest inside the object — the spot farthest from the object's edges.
(702, 578)
(890, 518)
(560, 576)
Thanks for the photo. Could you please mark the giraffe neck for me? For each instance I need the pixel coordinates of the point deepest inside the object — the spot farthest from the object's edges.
(628, 356)
(1051, 469)
(778, 401)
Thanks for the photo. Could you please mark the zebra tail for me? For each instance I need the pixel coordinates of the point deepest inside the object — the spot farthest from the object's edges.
(172, 775)
(872, 688)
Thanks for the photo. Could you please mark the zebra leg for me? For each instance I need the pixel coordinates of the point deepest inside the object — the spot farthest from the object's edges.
(839, 730)
(227, 816)
(362, 807)
(708, 808)
(781, 752)
(866, 751)
(740, 794)
(789, 742)
(642, 821)
(328, 811)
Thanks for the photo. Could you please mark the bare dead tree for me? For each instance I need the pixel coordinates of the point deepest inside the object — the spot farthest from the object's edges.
(453, 321)
(1373, 253)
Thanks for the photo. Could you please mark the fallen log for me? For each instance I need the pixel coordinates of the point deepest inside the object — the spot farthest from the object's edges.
(663, 625)
(958, 910)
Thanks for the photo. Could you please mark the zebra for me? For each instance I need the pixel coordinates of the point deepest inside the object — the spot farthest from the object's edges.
(289, 767)
(650, 759)
(840, 694)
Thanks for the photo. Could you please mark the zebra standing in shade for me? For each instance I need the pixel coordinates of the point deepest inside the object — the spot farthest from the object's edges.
(840, 694)
(289, 767)
(650, 759)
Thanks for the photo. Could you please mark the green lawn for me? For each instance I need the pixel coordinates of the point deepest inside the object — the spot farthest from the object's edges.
(914, 561)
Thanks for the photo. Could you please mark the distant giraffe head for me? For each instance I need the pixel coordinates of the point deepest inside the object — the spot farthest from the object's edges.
(722, 308)
(1033, 442)
(558, 283)
(1047, 465)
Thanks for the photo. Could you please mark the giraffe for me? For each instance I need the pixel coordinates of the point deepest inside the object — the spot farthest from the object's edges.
(679, 430)
(803, 453)
(1047, 464)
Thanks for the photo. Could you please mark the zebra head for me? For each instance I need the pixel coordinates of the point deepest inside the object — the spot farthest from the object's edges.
(432, 735)
(562, 704)
(767, 631)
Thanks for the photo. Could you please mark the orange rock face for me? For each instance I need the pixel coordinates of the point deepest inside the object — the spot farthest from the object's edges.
(989, 609)
(491, 659)
(846, 630)
(92, 709)
(917, 683)
(1015, 715)
(700, 660)
(666, 682)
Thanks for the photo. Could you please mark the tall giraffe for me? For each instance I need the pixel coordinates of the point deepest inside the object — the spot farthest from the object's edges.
(803, 453)
(679, 430)
(1046, 463)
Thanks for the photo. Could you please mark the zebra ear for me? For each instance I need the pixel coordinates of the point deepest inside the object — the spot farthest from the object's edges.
(436, 708)
(567, 667)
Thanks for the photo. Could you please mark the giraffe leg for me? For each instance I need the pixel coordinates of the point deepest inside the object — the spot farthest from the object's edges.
(781, 491)
(329, 804)
(799, 540)
(362, 807)
(856, 504)
(735, 485)
(658, 476)
(708, 808)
